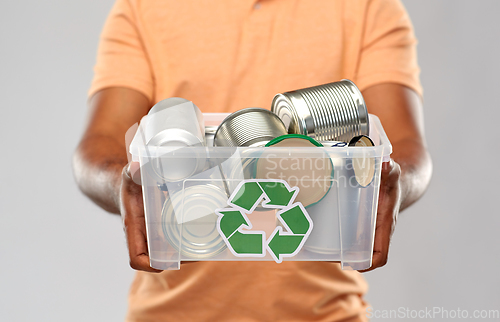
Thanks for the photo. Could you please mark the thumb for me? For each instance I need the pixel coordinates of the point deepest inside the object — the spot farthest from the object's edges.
(387, 166)
(133, 171)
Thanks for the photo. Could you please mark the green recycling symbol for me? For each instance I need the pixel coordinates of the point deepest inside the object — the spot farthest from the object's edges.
(235, 227)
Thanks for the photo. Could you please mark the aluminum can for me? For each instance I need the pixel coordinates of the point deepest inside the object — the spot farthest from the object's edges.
(250, 127)
(334, 111)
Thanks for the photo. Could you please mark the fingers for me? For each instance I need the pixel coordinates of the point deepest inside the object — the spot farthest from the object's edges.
(138, 252)
(132, 171)
(381, 245)
(132, 211)
(388, 209)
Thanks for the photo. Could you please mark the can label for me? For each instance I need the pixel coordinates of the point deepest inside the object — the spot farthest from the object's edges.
(236, 229)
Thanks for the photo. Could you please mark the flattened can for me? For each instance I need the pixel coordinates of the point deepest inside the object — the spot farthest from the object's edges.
(334, 111)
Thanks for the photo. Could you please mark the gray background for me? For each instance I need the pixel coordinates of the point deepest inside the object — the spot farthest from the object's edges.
(64, 259)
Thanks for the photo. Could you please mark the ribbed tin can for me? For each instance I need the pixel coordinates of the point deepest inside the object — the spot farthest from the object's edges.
(250, 127)
(334, 111)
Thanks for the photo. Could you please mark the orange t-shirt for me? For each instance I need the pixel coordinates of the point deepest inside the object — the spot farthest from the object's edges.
(226, 55)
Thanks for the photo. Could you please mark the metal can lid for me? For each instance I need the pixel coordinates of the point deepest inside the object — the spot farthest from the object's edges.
(313, 175)
(364, 167)
(294, 113)
(175, 138)
(293, 142)
(200, 237)
(169, 168)
(361, 140)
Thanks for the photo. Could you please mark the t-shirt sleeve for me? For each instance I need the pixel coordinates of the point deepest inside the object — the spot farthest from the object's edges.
(388, 49)
(121, 57)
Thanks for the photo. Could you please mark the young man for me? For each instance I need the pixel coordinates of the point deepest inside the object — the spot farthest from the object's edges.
(224, 56)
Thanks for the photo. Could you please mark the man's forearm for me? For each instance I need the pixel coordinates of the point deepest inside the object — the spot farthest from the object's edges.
(97, 165)
(416, 169)
(401, 113)
(101, 155)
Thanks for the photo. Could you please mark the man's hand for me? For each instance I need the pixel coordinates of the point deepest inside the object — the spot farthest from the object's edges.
(389, 202)
(132, 212)
(405, 178)
(101, 169)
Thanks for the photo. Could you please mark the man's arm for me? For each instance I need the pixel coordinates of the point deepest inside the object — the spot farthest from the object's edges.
(406, 177)
(100, 165)
(101, 155)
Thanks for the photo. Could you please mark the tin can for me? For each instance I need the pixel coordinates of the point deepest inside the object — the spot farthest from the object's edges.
(209, 135)
(175, 121)
(334, 111)
(250, 127)
(197, 238)
(173, 124)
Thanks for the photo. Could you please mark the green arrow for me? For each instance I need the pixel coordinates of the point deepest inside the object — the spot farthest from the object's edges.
(231, 220)
(284, 244)
(247, 195)
(295, 219)
(246, 243)
(278, 193)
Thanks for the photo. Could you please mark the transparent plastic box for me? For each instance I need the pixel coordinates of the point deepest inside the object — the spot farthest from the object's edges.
(264, 204)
